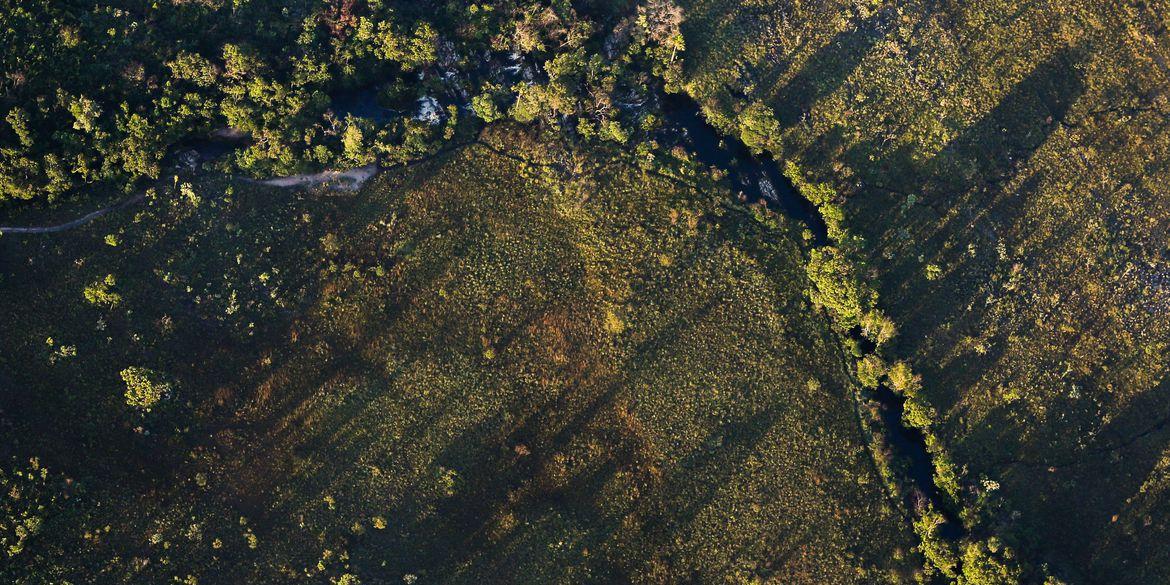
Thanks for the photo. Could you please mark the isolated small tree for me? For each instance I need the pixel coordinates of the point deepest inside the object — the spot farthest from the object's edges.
(101, 293)
(145, 388)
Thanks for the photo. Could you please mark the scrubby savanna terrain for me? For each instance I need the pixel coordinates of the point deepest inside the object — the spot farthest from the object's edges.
(584, 291)
(1006, 165)
(512, 362)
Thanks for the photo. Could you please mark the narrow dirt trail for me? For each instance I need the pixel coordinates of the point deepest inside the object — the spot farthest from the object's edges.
(350, 180)
(77, 222)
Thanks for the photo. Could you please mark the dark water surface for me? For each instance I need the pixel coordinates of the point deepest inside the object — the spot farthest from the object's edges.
(757, 177)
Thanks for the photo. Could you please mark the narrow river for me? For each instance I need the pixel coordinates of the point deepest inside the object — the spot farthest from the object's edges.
(759, 178)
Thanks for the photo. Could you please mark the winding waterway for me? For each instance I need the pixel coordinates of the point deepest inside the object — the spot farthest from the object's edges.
(759, 178)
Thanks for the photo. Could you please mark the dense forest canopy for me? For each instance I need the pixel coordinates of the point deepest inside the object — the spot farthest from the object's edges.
(100, 93)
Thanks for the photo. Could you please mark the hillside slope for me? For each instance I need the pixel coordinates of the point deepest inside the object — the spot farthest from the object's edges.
(1007, 165)
(513, 362)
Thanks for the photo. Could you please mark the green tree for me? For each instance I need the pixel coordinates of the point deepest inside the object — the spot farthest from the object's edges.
(485, 107)
(870, 370)
(938, 551)
(838, 287)
(85, 111)
(877, 327)
(758, 128)
(988, 563)
(195, 68)
(903, 379)
(101, 293)
(18, 120)
(145, 388)
(352, 143)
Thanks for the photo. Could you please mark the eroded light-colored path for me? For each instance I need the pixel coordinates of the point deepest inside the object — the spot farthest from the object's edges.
(350, 180)
(75, 223)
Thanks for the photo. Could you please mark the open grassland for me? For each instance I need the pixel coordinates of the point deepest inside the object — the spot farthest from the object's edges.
(511, 363)
(1006, 164)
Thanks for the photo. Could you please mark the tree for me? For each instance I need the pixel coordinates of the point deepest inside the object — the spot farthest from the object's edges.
(758, 128)
(983, 565)
(352, 143)
(101, 293)
(194, 68)
(939, 552)
(145, 388)
(485, 107)
(85, 111)
(870, 370)
(241, 62)
(903, 379)
(662, 22)
(18, 120)
(877, 327)
(838, 287)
